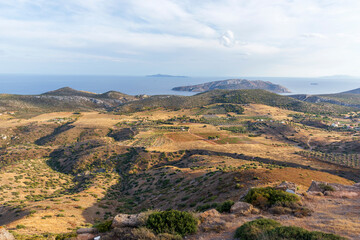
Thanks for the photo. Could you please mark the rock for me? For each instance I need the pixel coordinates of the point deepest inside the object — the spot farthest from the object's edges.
(333, 187)
(85, 236)
(5, 235)
(242, 208)
(86, 230)
(287, 187)
(129, 220)
(212, 213)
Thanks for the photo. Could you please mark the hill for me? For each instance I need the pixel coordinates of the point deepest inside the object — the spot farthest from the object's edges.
(341, 99)
(231, 96)
(63, 99)
(233, 84)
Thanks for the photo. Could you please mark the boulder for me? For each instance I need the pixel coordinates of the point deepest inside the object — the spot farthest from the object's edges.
(85, 236)
(287, 187)
(324, 186)
(86, 230)
(209, 214)
(129, 220)
(5, 235)
(242, 208)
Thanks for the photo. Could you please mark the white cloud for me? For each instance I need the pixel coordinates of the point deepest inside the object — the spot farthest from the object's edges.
(299, 36)
(228, 39)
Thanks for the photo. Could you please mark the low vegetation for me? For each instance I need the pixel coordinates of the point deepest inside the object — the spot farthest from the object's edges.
(268, 229)
(267, 197)
(173, 222)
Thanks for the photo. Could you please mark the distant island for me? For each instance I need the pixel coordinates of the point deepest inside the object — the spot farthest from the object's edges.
(233, 84)
(165, 75)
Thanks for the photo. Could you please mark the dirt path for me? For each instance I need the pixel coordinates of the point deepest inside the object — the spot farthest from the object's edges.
(308, 143)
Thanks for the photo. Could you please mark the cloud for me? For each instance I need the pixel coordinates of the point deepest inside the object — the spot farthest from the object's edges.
(184, 35)
(228, 39)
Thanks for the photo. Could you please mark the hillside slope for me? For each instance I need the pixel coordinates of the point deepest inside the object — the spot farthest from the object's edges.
(63, 99)
(231, 96)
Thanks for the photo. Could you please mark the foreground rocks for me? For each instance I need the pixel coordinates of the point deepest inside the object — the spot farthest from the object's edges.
(243, 209)
(5, 235)
(334, 189)
(129, 220)
(287, 187)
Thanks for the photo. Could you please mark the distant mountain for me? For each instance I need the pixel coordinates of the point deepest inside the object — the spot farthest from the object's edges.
(354, 91)
(234, 84)
(166, 76)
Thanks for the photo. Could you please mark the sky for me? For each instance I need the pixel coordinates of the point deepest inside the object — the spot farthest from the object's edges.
(288, 38)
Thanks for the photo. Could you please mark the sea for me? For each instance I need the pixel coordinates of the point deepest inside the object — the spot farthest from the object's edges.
(136, 85)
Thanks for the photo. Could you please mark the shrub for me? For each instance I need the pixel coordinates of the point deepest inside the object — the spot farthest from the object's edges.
(172, 221)
(203, 208)
(254, 229)
(225, 206)
(297, 233)
(20, 226)
(324, 187)
(104, 226)
(267, 197)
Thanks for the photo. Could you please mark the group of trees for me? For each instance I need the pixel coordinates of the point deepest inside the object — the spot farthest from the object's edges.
(349, 160)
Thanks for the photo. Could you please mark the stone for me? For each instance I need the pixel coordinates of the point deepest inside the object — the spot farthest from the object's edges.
(212, 213)
(85, 236)
(86, 230)
(5, 235)
(287, 187)
(324, 186)
(129, 220)
(242, 208)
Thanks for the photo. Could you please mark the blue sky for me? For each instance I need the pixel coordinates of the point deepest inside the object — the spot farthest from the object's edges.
(196, 38)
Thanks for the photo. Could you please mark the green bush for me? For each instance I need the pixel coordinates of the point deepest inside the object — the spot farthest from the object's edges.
(297, 233)
(267, 197)
(20, 226)
(203, 208)
(172, 221)
(225, 206)
(254, 229)
(268, 229)
(324, 187)
(104, 226)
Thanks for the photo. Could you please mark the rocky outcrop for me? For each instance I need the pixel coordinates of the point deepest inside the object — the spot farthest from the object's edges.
(334, 189)
(5, 235)
(243, 209)
(234, 84)
(287, 187)
(129, 220)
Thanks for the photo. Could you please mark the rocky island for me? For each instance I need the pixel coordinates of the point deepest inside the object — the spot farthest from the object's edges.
(233, 84)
